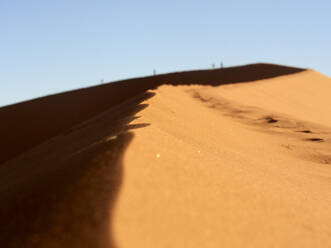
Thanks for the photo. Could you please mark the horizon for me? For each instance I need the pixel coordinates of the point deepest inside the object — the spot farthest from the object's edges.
(50, 48)
(151, 76)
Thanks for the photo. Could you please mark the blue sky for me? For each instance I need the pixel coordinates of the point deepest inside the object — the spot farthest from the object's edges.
(51, 46)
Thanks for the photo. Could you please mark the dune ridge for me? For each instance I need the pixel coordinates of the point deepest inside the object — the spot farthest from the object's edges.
(37, 120)
(232, 157)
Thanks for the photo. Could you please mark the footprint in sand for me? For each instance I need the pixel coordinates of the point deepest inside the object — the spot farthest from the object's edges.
(270, 119)
(305, 131)
(315, 139)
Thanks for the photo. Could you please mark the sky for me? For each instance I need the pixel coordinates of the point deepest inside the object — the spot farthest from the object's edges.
(49, 46)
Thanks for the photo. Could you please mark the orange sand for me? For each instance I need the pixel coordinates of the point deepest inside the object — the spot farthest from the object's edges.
(235, 165)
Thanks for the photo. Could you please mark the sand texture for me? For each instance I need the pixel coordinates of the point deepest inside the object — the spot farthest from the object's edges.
(233, 157)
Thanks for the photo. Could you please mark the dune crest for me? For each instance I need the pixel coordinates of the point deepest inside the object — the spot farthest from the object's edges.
(50, 116)
(236, 157)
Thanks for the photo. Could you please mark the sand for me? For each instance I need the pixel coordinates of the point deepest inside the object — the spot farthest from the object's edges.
(224, 163)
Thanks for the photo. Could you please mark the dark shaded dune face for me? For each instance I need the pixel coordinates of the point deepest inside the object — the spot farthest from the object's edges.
(62, 192)
(27, 124)
(229, 75)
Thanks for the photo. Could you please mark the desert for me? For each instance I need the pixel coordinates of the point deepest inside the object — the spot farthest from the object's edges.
(229, 157)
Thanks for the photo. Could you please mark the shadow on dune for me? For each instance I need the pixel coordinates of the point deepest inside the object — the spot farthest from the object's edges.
(61, 193)
(61, 156)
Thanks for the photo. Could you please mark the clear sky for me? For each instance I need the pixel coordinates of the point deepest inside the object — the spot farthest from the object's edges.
(48, 46)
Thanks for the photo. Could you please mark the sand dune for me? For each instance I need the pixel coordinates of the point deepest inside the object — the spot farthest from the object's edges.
(236, 157)
(49, 116)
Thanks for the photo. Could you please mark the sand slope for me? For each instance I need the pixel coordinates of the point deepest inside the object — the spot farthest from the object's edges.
(218, 165)
(49, 116)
